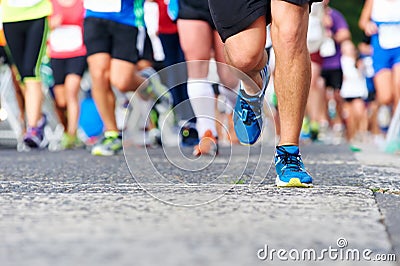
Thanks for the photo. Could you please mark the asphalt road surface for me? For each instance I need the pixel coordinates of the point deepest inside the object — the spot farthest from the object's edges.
(164, 207)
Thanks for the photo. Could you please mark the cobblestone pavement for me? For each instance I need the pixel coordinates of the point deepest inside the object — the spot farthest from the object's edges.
(69, 208)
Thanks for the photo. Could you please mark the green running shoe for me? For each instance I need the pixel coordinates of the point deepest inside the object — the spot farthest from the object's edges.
(69, 141)
(110, 144)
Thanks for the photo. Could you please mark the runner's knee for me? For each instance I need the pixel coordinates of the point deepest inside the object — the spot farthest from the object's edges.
(246, 59)
(122, 84)
(288, 38)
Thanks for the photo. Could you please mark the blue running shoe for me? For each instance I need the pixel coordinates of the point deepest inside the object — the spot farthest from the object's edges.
(290, 168)
(247, 117)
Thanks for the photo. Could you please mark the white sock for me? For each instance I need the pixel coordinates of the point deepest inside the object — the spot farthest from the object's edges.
(202, 98)
(230, 96)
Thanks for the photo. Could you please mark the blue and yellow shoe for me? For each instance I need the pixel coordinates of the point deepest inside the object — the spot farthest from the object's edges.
(247, 117)
(290, 168)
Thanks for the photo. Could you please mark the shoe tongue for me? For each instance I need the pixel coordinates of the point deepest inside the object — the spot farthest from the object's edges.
(290, 149)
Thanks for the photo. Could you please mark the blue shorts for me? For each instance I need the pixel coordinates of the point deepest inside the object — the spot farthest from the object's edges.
(384, 58)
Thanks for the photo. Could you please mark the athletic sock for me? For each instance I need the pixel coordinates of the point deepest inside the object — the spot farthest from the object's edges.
(230, 96)
(202, 99)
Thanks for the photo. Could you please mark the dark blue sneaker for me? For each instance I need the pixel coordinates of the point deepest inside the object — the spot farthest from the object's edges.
(290, 168)
(247, 117)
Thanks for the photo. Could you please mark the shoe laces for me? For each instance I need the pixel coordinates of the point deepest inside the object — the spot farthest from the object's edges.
(248, 114)
(33, 131)
(290, 161)
(108, 139)
(249, 110)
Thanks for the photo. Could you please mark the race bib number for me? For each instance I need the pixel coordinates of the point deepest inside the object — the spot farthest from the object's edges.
(389, 36)
(66, 38)
(23, 3)
(103, 5)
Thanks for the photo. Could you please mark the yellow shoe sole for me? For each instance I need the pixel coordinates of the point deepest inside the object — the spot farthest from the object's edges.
(293, 182)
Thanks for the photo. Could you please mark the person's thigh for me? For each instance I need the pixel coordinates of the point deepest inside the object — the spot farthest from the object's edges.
(238, 16)
(196, 37)
(225, 73)
(35, 47)
(26, 40)
(99, 68)
(396, 78)
(122, 74)
(246, 49)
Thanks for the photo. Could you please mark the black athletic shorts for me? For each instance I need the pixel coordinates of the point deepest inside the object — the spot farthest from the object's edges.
(233, 16)
(26, 41)
(333, 78)
(197, 10)
(349, 100)
(106, 36)
(144, 46)
(62, 67)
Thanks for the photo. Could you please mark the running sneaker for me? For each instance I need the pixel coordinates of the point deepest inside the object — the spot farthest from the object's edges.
(338, 134)
(34, 136)
(155, 90)
(70, 141)
(208, 145)
(110, 144)
(314, 130)
(290, 168)
(189, 134)
(384, 118)
(305, 135)
(247, 117)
